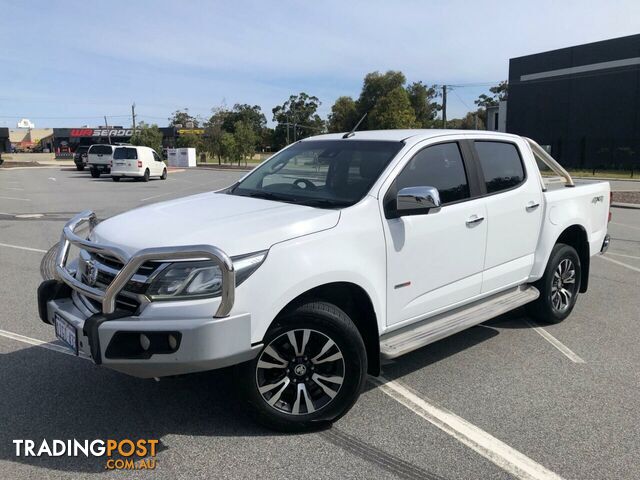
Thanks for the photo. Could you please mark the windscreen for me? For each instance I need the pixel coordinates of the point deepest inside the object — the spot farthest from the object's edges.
(124, 153)
(322, 173)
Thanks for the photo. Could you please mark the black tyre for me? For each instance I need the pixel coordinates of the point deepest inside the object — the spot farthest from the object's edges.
(80, 167)
(145, 177)
(115, 179)
(164, 174)
(310, 371)
(95, 173)
(559, 286)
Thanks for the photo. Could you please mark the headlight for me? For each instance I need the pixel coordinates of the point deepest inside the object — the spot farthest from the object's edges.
(200, 279)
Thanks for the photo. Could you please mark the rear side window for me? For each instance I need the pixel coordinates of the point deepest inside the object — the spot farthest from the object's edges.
(101, 149)
(438, 166)
(123, 153)
(501, 165)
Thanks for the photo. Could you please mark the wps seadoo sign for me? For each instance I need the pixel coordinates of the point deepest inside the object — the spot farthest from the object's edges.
(107, 132)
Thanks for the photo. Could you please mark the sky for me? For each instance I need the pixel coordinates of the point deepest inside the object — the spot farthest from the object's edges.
(68, 63)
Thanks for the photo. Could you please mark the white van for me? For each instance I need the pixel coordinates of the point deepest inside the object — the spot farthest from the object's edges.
(99, 159)
(137, 162)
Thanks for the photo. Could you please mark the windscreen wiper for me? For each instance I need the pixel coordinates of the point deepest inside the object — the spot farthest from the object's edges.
(270, 196)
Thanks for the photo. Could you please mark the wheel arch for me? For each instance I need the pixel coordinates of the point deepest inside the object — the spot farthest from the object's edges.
(356, 303)
(576, 237)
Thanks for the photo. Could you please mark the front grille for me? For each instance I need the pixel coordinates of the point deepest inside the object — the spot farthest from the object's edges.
(107, 268)
(146, 269)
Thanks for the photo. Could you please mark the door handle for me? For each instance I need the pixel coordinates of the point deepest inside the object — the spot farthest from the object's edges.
(474, 220)
(531, 206)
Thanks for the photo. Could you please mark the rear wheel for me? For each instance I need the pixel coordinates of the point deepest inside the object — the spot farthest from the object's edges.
(559, 286)
(164, 174)
(115, 179)
(145, 177)
(80, 167)
(95, 173)
(309, 373)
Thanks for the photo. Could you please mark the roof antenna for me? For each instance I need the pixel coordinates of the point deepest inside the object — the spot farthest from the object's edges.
(352, 132)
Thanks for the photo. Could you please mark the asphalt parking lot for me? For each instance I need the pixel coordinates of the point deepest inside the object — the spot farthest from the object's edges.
(561, 399)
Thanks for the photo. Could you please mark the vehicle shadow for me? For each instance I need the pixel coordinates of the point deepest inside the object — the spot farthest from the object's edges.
(450, 346)
(47, 395)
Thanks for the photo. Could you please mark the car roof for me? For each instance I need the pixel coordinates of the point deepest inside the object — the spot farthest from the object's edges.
(408, 134)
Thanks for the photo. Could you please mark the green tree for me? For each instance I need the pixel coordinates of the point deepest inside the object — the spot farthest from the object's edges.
(468, 122)
(250, 115)
(497, 93)
(189, 140)
(213, 133)
(182, 117)
(148, 136)
(229, 148)
(393, 110)
(343, 116)
(376, 86)
(423, 101)
(245, 140)
(297, 118)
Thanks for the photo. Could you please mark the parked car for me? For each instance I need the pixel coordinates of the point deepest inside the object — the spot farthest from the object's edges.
(99, 159)
(80, 157)
(137, 162)
(305, 274)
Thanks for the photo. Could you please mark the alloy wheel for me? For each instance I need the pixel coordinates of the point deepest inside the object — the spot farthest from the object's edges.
(564, 285)
(300, 372)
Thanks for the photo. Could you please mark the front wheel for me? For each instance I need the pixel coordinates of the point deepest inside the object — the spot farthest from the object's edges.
(164, 174)
(80, 167)
(310, 371)
(115, 179)
(559, 286)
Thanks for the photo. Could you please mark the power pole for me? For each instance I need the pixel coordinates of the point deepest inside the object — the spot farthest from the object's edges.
(444, 106)
(133, 114)
(106, 126)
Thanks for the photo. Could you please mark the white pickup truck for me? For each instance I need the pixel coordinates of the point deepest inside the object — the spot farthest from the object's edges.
(337, 252)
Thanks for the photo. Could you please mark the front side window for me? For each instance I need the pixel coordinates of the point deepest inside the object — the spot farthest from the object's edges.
(124, 153)
(320, 173)
(438, 166)
(501, 165)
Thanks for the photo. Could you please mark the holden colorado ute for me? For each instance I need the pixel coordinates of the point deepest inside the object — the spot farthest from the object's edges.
(336, 253)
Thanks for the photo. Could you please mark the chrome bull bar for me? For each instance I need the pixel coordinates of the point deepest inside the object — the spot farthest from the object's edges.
(131, 264)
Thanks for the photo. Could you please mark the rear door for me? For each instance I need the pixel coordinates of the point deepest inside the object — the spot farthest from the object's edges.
(514, 212)
(125, 160)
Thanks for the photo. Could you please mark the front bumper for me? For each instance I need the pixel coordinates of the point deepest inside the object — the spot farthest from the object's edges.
(203, 343)
(142, 345)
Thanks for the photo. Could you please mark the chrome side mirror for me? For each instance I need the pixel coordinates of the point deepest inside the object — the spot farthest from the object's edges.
(416, 200)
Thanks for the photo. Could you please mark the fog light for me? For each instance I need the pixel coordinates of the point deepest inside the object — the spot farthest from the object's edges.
(145, 343)
(173, 342)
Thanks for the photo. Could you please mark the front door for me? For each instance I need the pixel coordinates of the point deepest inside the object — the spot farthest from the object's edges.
(435, 260)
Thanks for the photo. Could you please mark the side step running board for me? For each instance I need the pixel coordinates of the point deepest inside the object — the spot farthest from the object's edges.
(435, 328)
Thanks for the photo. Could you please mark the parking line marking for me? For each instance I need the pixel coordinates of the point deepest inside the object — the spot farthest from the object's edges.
(617, 262)
(625, 225)
(29, 249)
(623, 255)
(15, 198)
(35, 342)
(494, 450)
(562, 348)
